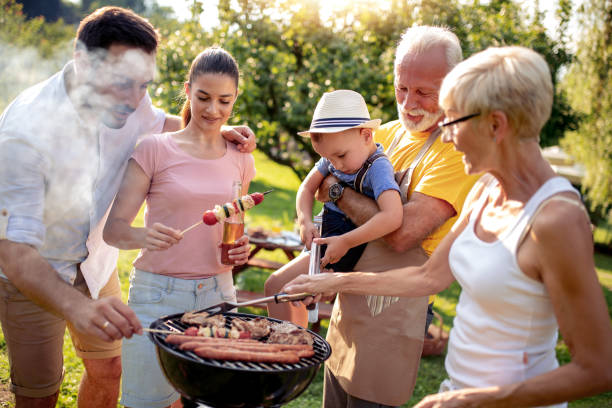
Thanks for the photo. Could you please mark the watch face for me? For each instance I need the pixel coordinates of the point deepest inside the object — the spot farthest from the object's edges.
(335, 191)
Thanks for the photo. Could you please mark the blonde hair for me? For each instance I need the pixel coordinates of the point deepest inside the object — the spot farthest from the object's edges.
(514, 80)
(419, 39)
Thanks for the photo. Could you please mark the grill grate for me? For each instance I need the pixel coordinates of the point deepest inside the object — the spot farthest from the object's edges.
(320, 347)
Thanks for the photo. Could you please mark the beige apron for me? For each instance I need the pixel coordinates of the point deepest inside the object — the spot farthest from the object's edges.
(376, 358)
(377, 340)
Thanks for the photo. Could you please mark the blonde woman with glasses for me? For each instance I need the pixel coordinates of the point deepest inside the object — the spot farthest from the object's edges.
(522, 251)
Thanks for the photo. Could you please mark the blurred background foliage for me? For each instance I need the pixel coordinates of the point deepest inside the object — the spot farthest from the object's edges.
(290, 53)
(588, 84)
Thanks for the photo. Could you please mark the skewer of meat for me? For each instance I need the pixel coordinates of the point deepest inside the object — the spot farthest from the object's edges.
(180, 339)
(221, 212)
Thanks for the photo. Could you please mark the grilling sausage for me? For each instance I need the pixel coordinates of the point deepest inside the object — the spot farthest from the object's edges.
(192, 345)
(247, 347)
(229, 354)
(180, 339)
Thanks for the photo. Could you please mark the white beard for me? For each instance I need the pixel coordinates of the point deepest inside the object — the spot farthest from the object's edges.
(429, 119)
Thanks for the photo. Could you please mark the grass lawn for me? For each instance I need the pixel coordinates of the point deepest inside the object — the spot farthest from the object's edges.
(278, 211)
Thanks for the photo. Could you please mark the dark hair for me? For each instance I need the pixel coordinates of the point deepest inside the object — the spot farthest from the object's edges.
(213, 60)
(115, 25)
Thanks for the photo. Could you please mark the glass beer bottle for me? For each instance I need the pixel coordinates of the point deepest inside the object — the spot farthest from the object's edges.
(233, 227)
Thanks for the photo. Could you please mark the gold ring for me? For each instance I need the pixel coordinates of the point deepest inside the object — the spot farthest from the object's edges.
(105, 325)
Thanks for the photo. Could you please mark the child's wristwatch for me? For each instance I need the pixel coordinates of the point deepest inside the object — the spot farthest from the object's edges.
(335, 192)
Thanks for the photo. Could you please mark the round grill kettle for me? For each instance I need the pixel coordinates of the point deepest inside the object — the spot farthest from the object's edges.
(233, 384)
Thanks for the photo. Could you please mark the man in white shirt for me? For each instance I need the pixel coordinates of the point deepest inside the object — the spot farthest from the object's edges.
(64, 144)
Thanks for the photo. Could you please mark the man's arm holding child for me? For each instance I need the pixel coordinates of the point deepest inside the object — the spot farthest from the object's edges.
(422, 214)
(386, 220)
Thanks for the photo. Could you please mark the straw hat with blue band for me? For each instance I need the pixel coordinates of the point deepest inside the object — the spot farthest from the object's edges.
(340, 110)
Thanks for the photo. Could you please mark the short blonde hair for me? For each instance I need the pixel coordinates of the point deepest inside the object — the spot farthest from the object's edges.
(419, 39)
(514, 80)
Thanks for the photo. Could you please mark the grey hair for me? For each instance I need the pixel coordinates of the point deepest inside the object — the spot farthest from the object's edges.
(515, 80)
(418, 39)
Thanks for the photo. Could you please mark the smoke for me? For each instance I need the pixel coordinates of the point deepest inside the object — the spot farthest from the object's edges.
(21, 68)
(68, 148)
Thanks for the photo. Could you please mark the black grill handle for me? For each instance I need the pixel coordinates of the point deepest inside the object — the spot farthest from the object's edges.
(284, 297)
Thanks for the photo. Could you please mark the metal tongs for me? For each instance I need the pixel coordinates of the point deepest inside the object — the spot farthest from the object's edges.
(278, 298)
(315, 268)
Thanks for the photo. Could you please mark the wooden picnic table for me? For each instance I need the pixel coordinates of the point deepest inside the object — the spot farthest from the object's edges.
(286, 241)
(290, 244)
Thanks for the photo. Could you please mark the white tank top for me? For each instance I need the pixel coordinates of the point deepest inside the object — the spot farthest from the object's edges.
(505, 330)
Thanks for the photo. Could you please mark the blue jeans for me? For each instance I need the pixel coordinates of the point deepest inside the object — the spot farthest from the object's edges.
(335, 223)
(151, 297)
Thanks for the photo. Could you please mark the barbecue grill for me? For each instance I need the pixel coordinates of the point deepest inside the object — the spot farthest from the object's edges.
(233, 384)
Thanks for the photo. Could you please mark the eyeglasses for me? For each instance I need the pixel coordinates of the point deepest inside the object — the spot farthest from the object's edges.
(449, 129)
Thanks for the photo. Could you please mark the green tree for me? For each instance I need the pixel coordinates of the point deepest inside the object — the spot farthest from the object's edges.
(589, 87)
(31, 49)
(290, 57)
(505, 22)
(290, 54)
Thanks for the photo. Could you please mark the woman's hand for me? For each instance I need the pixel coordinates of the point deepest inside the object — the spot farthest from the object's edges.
(336, 249)
(308, 232)
(468, 397)
(322, 284)
(159, 237)
(240, 254)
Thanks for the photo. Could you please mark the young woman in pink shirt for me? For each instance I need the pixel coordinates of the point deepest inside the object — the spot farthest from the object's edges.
(180, 175)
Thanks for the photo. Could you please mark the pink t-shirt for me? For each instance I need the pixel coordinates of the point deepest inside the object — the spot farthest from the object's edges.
(182, 188)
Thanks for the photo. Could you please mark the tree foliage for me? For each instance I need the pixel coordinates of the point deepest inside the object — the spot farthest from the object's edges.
(589, 87)
(290, 54)
(292, 51)
(32, 49)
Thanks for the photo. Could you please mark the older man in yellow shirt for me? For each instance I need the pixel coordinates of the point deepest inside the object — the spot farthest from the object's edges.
(377, 340)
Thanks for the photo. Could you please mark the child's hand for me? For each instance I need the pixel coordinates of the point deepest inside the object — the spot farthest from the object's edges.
(307, 233)
(336, 249)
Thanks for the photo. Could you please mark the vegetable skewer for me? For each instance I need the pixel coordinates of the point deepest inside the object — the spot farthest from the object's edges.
(221, 212)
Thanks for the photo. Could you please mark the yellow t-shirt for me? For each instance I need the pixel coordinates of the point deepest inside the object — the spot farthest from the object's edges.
(440, 174)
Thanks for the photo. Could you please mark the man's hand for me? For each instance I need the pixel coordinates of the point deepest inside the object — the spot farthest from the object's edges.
(336, 249)
(242, 136)
(107, 318)
(322, 193)
(36, 279)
